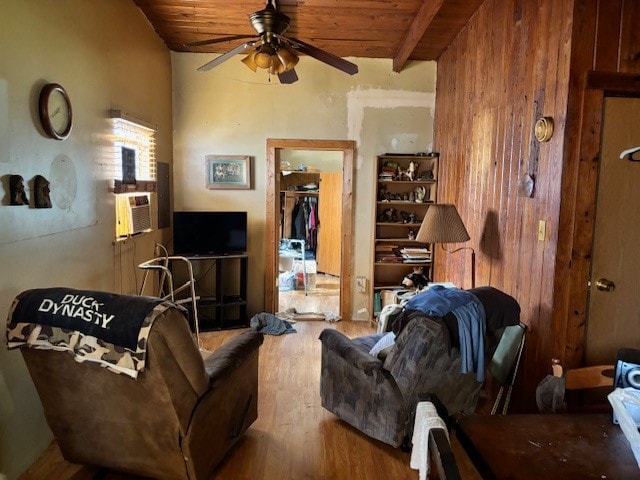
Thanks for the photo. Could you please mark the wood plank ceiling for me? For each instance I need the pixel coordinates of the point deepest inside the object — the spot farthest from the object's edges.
(398, 29)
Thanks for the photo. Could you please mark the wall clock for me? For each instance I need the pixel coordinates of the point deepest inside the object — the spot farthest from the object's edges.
(55, 111)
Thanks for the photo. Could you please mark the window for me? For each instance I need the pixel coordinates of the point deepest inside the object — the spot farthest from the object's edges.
(134, 171)
(134, 160)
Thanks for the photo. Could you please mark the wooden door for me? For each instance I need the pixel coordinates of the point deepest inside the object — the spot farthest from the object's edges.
(614, 316)
(328, 253)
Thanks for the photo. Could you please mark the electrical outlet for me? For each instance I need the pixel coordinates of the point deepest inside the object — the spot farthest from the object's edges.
(361, 284)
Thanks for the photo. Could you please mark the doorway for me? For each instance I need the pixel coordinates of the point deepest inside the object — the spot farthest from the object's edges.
(290, 184)
(614, 297)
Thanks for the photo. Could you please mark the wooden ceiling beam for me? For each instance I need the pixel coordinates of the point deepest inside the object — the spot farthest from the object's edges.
(421, 22)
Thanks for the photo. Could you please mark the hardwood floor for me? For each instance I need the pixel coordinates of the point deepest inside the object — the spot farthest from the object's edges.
(323, 295)
(293, 437)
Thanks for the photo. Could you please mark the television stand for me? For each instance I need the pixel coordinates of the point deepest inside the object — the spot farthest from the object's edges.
(221, 290)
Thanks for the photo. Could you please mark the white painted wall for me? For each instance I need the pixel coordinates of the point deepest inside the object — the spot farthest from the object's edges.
(231, 110)
(107, 56)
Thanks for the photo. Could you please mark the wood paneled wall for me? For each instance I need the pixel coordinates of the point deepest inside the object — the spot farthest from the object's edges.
(605, 60)
(514, 62)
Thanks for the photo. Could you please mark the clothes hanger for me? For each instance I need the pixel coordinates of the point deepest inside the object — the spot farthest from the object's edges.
(629, 153)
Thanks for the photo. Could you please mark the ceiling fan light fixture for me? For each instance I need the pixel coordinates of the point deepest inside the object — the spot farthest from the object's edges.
(250, 61)
(276, 66)
(269, 20)
(272, 50)
(288, 58)
(263, 57)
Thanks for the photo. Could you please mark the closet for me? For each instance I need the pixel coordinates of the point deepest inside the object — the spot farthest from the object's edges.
(310, 218)
(299, 207)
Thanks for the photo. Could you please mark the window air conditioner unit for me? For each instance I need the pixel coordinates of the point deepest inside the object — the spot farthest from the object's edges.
(134, 214)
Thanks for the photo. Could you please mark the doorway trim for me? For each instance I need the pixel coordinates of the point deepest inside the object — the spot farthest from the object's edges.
(347, 147)
(576, 225)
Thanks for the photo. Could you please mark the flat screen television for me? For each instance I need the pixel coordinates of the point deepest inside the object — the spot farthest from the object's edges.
(209, 233)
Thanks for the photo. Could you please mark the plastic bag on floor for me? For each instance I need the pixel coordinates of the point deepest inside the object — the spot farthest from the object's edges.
(286, 281)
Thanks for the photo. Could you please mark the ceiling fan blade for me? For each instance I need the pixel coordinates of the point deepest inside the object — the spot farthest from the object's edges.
(225, 56)
(288, 77)
(211, 41)
(322, 55)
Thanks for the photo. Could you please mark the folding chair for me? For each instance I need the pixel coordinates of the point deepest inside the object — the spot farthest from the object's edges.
(505, 362)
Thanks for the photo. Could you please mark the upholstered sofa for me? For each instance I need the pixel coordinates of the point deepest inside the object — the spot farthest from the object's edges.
(176, 420)
(378, 394)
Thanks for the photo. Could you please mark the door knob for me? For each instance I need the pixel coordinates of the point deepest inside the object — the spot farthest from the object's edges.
(605, 285)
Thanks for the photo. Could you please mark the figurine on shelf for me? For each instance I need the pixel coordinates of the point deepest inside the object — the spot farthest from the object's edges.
(419, 194)
(416, 279)
(411, 171)
(383, 196)
(408, 173)
(388, 216)
(408, 217)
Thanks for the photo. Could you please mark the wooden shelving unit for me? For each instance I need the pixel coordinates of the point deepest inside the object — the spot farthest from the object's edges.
(400, 206)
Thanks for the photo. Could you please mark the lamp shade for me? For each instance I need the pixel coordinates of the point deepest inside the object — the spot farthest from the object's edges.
(263, 56)
(276, 66)
(442, 224)
(250, 61)
(287, 57)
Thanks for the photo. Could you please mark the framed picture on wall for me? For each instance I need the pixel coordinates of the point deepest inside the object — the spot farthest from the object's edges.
(232, 172)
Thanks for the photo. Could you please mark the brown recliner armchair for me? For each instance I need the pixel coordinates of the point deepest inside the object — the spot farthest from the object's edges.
(176, 420)
(378, 394)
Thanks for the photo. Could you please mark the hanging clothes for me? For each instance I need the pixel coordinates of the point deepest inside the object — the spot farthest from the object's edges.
(313, 224)
(304, 222)
(298, 226)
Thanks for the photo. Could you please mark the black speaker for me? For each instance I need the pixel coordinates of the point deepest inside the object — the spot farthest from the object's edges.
(627, 375)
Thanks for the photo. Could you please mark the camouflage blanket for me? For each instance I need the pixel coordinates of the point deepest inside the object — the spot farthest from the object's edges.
(100, 327)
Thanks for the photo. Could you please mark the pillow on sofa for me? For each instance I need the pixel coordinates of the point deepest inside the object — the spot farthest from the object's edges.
(366, 342)
(386, 341)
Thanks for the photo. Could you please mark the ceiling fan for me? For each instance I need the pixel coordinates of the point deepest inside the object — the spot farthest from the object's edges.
(271, 50)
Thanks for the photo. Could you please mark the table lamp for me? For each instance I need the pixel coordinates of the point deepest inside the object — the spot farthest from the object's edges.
(442, 224)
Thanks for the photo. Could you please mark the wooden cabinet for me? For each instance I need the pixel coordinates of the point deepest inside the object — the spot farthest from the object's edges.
(405, 186)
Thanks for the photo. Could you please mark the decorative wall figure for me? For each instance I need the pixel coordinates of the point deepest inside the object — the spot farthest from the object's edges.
(16, 190)
(42, 190)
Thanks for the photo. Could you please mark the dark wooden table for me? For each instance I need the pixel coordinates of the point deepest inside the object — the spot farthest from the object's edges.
(547, 447)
